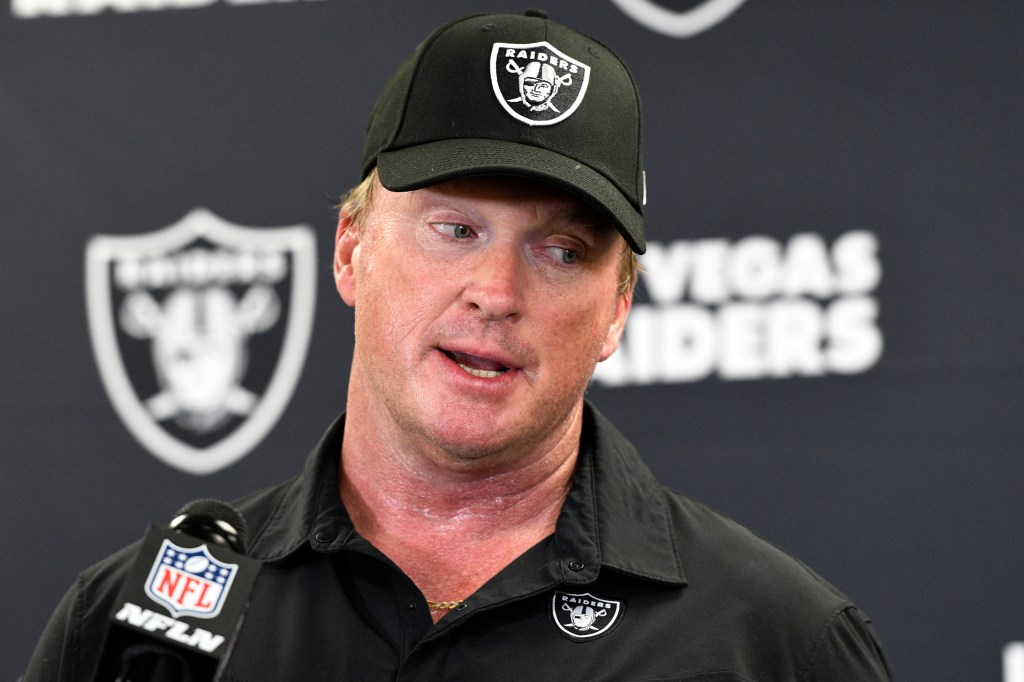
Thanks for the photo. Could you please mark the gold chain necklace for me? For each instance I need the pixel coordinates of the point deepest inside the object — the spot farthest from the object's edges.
(443, 605)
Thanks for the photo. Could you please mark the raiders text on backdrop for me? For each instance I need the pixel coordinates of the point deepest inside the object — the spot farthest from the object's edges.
(758, 309)
(30, 9)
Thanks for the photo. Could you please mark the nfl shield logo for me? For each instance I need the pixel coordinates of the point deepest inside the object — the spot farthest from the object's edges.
(200, 332)
(584, 616)
(537, 83)
(189, 581)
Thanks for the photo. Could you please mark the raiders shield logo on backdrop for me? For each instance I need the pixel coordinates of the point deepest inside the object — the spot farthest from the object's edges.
(683, 23)
(584, 616)
(200, 331)
(536, 83)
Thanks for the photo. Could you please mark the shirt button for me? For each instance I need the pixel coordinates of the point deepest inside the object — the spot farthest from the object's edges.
(576, 565)
(461, 606)
(324, 536)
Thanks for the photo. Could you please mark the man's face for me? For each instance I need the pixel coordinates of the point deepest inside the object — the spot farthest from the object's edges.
(482, 306)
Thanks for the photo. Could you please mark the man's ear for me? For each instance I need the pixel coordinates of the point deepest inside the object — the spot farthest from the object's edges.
(346, 253)
(623, 303)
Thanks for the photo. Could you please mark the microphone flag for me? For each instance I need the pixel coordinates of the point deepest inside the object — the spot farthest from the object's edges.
(183, 593)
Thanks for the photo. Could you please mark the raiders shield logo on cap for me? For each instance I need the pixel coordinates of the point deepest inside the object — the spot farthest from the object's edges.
(537, 83)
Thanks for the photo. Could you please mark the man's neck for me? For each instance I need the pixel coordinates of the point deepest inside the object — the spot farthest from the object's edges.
(386, 490)
(450, 523)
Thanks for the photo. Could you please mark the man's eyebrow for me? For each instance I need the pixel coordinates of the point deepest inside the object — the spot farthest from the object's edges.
(583, 216)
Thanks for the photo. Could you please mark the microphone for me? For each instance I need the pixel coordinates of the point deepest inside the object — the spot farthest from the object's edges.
(213, 520)
(181, 606)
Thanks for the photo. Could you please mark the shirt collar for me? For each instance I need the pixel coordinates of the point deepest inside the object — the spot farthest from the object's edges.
(306, 510)
(614, 516)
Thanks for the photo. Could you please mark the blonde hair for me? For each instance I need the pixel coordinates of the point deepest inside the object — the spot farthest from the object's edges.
(356, 202)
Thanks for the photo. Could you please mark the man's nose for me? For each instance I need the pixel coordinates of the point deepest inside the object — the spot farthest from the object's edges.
(494, 285)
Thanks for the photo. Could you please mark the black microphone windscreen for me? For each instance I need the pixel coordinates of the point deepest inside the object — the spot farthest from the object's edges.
(212, 519)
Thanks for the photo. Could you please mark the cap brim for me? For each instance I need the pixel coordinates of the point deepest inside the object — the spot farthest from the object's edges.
(427, 164)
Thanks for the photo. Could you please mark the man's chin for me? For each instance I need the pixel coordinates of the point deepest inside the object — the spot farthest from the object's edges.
(486, 448)
(475, 449)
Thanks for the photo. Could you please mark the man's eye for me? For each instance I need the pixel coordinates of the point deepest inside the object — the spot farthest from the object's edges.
(567, 256)
(454, 230)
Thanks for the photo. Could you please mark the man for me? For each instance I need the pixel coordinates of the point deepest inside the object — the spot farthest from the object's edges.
(470, 517)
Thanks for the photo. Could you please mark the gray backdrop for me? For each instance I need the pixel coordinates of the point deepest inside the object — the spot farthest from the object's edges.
(827, 349)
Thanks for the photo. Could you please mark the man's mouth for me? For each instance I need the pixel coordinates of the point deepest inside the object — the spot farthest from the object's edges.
(475, 365)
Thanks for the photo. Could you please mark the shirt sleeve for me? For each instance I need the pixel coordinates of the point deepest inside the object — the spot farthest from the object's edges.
(54, 657)
(849, 651)
(70, 645)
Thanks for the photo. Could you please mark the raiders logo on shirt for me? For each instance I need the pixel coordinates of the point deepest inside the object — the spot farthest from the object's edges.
(584, 616)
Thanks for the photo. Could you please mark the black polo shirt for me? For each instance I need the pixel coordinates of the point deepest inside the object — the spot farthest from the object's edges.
(636, 583)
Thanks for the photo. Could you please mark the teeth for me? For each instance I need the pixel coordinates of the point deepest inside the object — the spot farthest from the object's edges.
(482, 373)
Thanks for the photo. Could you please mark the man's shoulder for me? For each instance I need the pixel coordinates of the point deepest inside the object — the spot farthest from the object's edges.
(746, 588)
(73, 636)
(717, 549)
(99, 583)
(711, 550)
(758, 607)
(104, 578)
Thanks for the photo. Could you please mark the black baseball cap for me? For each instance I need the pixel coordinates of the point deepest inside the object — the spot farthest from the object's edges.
(520, 95)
